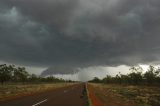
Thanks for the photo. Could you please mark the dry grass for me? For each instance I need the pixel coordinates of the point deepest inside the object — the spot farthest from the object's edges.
(13, 90)
(113, 95)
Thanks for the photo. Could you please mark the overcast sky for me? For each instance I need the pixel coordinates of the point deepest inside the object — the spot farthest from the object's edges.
(79, 33)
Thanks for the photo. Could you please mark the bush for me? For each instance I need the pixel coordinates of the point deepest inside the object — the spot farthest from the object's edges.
(135, 77)
(19, 74)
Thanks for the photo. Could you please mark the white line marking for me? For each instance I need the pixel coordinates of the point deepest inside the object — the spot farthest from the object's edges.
(39, 102)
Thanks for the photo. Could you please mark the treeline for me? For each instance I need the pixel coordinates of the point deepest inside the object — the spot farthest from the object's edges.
(135, 77)
(11, 73)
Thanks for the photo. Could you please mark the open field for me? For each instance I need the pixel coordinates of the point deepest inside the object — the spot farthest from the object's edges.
(10, 91)
(123, 95)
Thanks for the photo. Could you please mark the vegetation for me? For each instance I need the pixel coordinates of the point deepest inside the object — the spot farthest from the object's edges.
(11, 73)
(126, 95)
(135, 77)
(129, 89)
(10, 91)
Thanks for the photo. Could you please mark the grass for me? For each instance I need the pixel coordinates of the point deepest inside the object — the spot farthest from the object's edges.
(124, 95)
(127, 92)
(12, 90)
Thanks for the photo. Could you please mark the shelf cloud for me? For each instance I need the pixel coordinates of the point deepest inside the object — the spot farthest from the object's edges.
(80, 33)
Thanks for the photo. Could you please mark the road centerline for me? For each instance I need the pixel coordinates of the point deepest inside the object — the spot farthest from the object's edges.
(39, 102)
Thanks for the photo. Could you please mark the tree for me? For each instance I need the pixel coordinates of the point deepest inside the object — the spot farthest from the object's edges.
(5, 73)
(96, 80)
(107, 79)
(136, 75)
(20, 74)
(151, 75)
(33, 78)
(158, 75)
(118, 79)
(135, 78)
(125, 79)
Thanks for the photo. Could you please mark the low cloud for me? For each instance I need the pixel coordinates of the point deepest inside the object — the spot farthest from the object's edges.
(79, 33)
(86, 74)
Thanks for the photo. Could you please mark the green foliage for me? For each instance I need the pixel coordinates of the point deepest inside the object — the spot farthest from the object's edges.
(135, 77)
(95, 79)
(51, 79)
(19, 74)
(107, 79)
(151, 75)
(5, 73)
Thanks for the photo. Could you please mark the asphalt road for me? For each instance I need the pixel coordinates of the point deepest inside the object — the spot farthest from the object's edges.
(66, 96)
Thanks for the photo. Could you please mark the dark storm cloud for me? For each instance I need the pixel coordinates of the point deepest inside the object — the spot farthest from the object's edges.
(79, 33)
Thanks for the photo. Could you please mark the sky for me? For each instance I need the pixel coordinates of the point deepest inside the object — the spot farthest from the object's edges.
(86, 36)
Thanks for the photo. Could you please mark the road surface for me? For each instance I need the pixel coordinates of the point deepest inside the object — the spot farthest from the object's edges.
(66, 96)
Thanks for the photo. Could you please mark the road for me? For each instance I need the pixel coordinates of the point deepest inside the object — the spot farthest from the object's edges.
(66, 96)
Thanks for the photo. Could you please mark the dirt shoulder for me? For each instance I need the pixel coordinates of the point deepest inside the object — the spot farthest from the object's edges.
(123, 95)
(93, 100)
(12, 91)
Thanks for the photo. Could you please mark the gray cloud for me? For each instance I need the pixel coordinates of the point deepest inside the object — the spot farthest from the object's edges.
(79, 33)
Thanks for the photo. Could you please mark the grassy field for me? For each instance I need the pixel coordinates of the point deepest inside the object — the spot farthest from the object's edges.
(123, 95)
(10, 91)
